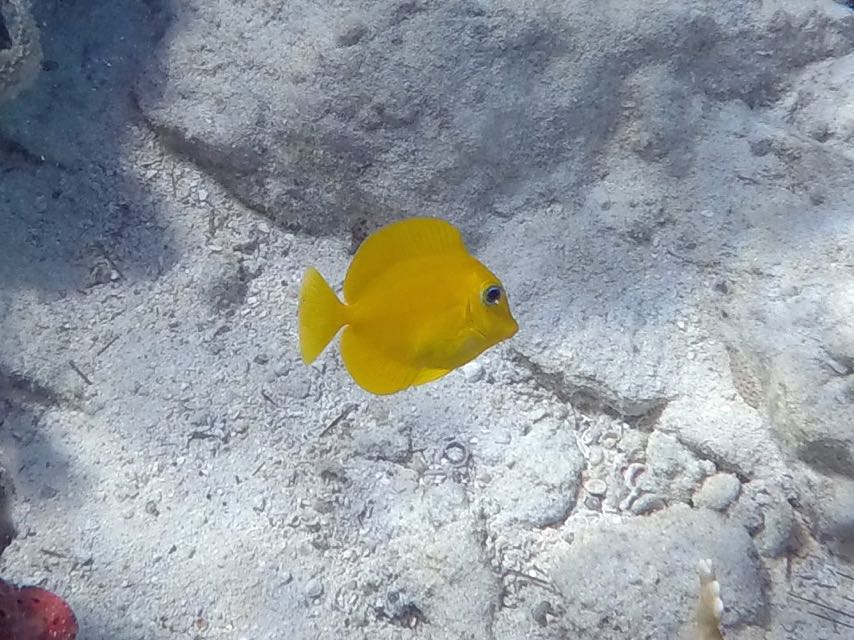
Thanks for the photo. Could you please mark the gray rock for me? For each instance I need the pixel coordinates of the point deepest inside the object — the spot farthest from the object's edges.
(778, 531)
(648, 503)
(313, 588)
(812, 410)
(671, 469)
(831, 505)
(441, 571)
(596, 487)
(717, 492)
(451, 106)
(607, 572)
(473, 371)
(765, 513)
(539, 481)
(382, 440)
(730, 434)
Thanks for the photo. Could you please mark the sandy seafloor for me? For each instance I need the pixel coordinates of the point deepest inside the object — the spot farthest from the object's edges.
(666, 190)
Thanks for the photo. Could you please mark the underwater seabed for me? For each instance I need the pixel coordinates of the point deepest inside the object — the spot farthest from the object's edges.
(664, 190)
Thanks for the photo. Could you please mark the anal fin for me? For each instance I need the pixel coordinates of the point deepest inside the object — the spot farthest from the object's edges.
(428, 375)
(372, 369)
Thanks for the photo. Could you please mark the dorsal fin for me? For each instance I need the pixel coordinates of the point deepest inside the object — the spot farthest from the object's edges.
(396, 242)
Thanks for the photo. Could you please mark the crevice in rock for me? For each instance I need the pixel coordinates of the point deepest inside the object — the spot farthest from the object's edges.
(721, 463)
(591, 397)
(207, 158)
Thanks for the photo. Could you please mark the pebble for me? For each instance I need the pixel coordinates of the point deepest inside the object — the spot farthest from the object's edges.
(718, 492)
(592, 503)
(473, 372)
(647, 503)
(314, 588)
(595, 456)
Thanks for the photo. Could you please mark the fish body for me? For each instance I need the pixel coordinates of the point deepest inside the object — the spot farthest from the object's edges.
(417, 306)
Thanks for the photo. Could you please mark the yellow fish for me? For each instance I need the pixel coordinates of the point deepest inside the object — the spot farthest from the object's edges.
(417, 306)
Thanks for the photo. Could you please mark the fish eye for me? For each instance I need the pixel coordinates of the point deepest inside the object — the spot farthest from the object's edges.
(492, 294)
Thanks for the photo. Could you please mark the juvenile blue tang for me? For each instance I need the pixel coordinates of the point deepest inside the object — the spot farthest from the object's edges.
(417, 306)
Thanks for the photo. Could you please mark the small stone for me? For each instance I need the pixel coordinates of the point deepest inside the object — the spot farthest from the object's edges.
(717, 492)
(313, 588)
(351, 34)
(473, 372)
(592, 503)
(596, 487)
(595, 456)
(648, 503)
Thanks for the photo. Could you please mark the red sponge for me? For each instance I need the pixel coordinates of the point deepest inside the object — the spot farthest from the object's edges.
(32, 613)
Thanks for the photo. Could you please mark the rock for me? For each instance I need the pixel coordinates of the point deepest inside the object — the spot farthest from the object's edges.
(473, 371)
(812, 410)
(352, 128)
(539, 482)
(778, 531)
(671, 469)
(596, 487)
(717, 492)
(382, 440)
(728, 433)
(608, 571)
(764, 511)
(831, 505)
(648, 503)
(441, 572)
(313, 588)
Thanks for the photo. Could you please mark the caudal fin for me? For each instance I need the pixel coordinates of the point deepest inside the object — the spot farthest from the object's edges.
(321, 315)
